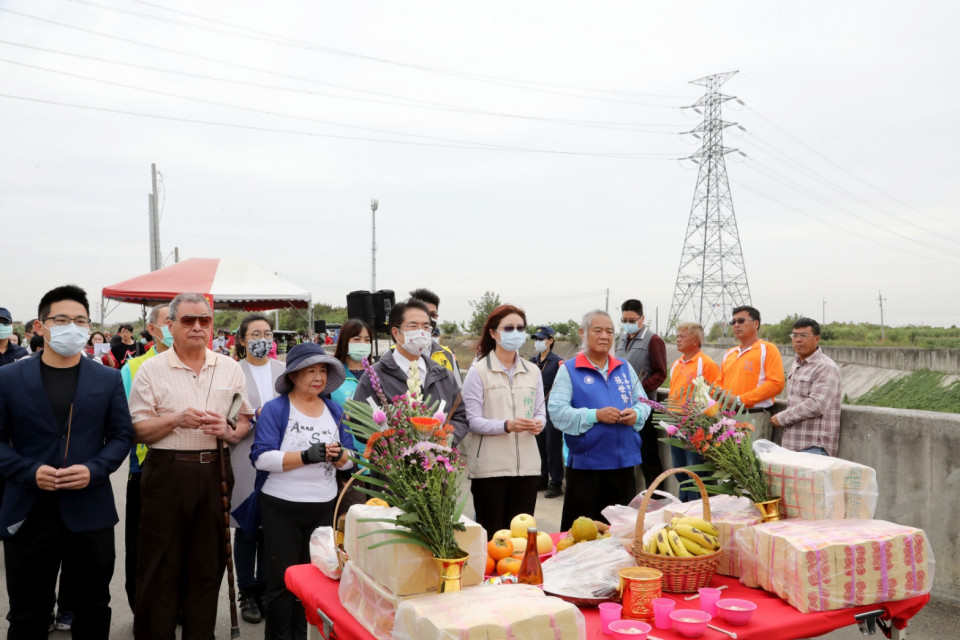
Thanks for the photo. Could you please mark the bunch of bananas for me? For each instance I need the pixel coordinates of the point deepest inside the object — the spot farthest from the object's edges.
(684, 537)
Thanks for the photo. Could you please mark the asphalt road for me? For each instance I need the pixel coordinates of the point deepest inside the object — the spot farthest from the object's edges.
(936, 621)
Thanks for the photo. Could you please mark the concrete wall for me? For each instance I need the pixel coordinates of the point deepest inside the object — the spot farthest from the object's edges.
(943, 360)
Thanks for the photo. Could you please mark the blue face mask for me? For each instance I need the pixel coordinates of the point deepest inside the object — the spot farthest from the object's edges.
(167, 336)
(6, 330)
(630, 327)
(513, 340)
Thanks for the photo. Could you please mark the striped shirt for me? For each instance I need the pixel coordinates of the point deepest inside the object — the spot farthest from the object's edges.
(165, 385)
(812, 416)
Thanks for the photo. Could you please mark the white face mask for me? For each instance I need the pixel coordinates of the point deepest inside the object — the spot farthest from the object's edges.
(513, 340)
(540, 345)
(417, 342)
(68, 340)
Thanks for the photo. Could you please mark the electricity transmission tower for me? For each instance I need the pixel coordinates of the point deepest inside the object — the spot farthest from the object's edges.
(712, 278)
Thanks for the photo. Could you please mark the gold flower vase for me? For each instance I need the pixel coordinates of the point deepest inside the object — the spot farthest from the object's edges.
(451, 572)
(769, 510)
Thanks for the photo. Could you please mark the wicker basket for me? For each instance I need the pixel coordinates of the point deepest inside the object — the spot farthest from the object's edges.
(342, 556)
(680, 575)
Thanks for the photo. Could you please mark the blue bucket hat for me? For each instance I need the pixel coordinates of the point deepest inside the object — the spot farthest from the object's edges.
(306, 355)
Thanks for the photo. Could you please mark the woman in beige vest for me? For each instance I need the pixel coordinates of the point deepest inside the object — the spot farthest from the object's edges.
(503, 395)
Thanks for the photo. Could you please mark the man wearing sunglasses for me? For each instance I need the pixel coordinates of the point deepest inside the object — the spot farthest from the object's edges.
(64, 428)
(753, 371)
(179, 404)
(9, 352)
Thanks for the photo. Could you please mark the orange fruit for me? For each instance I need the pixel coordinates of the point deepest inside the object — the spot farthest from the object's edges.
(491, 566)
(499, 548)
(509, 565)
(377, 502)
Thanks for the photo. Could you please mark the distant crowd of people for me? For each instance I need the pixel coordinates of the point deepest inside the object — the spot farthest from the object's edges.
(200, 418)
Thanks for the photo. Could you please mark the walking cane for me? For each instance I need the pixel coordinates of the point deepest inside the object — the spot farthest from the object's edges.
(234, 410)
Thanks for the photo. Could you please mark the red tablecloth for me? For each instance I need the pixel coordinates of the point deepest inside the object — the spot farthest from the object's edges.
(773, 620)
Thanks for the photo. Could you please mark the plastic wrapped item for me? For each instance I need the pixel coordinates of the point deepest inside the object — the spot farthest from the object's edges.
(658, 500)
(587, 569)
(729, 514)
(816, 487)
(489, 613)
(821, 565)
(373, 606)
(323, 552)
(407, 569)
(623, 523)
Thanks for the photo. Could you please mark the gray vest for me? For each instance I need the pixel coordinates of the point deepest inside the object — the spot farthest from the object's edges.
(637, 353)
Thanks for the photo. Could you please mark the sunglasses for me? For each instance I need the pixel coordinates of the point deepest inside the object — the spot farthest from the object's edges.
(510, 328)
(190, 321)
(737, 321)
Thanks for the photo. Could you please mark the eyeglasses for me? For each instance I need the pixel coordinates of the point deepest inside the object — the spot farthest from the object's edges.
(802, 336)
(257, 335)
(63, 320)
(190, 321)
(413, 326)
(737, 321)
(510, 328)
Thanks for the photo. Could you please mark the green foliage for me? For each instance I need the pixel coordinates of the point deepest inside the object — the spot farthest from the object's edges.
(923, 390)
(779, 333)
(449, 328)
(290, 319)
(482, 308)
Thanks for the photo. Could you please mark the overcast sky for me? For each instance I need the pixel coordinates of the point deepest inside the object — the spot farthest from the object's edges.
(527, 148)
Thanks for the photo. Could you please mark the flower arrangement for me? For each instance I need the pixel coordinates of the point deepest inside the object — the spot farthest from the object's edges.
(707, 422)
(411, 465)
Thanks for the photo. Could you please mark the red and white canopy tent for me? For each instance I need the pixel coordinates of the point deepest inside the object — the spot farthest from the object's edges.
(231, 283)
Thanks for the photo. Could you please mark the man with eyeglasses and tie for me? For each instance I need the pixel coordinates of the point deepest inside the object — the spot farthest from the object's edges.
(179, 405)
(64, 428)
(753, 371)
(411, 329)
(811, 421)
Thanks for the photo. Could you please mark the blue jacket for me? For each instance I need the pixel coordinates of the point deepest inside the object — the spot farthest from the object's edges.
(100, 438)
(603, 446)
(271, 425)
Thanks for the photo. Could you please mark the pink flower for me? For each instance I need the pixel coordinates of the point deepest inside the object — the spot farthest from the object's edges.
(671, 430)
(379, 416)
(439, 415)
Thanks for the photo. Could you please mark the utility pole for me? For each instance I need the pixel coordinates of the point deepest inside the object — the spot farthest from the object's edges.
(883, 335)
(712, 277)
(176, 254)
(154, 217)
(606, 305)
(823, 314)
(373, 246)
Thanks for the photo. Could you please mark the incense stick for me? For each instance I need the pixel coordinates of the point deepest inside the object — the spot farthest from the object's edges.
(66, 449)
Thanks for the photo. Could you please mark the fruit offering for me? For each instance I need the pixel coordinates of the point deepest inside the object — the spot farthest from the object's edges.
(682, 537)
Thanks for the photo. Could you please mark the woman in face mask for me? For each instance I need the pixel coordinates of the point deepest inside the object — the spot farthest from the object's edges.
(353, 345)
(503, 395)
(254, 341)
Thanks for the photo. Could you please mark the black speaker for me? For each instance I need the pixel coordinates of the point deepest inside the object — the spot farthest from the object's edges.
(360, 306)
(319, 326)
(383, 302)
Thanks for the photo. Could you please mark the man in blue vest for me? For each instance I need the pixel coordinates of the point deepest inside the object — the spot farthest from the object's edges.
(595, 402)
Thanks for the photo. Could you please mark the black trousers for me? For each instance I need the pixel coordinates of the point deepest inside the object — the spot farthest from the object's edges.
(287, 527)
(181, 548)
(497, 500)
(589, 491)
(550, 443)
(33, 557)
(248, 560)
(651, 466)
(131, 529)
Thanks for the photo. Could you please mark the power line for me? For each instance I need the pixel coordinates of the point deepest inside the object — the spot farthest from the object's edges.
(398, 100)
(286, 41)
(844, 229)
(324, 135)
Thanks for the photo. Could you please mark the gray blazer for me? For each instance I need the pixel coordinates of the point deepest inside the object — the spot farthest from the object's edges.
(244, 472)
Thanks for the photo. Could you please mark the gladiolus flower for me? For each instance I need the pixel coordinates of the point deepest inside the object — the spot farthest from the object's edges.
(379, 416)
(671, 430)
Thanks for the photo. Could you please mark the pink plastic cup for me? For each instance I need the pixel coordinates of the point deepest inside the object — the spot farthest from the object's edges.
(708, 600)
(609, 612)
(661, 613)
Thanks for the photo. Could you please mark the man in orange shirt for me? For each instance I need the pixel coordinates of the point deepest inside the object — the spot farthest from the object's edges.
(691, 364)
(753, 371)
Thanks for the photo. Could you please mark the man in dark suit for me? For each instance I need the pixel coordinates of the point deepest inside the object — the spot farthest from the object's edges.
(64, 428)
